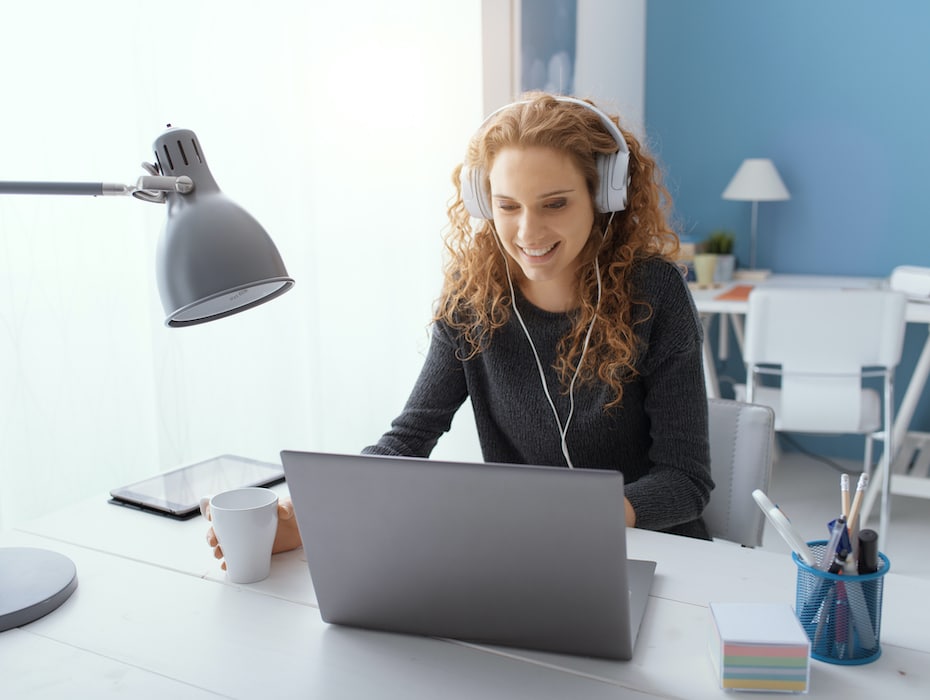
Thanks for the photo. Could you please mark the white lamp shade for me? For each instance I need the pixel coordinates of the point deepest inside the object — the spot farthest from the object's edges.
(756, 180)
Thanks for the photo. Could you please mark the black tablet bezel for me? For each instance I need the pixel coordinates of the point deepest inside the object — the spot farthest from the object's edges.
(209, 477)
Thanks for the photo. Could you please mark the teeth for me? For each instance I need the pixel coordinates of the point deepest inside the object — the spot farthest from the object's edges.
(537, 252)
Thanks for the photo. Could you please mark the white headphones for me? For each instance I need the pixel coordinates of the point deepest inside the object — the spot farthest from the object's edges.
(612, 170)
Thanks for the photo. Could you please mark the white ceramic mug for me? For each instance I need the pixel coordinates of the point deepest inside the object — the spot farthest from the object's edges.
(245, 521)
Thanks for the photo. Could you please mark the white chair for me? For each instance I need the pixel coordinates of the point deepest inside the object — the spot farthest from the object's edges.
(741, 451)
(821, 344)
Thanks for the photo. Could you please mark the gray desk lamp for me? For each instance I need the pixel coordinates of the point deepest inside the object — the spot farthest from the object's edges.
(213, 260)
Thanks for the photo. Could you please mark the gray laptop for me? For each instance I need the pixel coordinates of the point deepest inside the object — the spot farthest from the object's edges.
(500, 554)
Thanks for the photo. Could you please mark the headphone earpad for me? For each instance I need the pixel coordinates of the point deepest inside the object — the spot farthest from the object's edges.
(612, 171)
(475, 196)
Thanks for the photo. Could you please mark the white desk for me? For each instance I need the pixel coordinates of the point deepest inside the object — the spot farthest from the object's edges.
(153, 617)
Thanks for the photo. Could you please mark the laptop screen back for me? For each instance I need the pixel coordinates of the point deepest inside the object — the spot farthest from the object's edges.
(514, 555)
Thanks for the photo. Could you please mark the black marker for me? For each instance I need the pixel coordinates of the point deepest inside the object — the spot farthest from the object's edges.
(868, 551)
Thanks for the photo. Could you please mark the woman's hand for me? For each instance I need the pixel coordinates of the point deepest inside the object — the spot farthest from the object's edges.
(287, 536)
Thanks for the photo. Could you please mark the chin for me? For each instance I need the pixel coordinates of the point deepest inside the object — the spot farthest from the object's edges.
(539, 280)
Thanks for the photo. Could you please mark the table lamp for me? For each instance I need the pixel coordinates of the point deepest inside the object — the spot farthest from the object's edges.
(756, 181)
(213, 260)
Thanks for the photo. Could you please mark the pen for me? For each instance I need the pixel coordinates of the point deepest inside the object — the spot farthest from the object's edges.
(825, 610)
(868, 564)
(839, 561)
(784, 527)
(841, 622)
(836, 533)
(814, 602)
(845, 544)
(857, 606)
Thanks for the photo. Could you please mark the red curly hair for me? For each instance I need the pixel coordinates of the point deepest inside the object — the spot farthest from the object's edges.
(476, 298)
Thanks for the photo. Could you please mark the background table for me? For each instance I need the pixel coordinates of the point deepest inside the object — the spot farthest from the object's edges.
(907, 443)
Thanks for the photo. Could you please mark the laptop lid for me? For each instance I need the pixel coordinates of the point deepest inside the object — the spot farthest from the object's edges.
(514, 555)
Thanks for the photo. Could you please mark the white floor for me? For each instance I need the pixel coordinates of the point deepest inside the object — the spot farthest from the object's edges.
(808, 491)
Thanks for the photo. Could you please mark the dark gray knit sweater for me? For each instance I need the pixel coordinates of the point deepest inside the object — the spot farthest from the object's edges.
(657, 437)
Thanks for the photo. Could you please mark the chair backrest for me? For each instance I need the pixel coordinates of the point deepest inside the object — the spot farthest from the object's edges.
(822, 339)
(742, 439)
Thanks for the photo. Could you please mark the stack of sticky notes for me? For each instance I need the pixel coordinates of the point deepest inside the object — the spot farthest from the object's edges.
(759, 646)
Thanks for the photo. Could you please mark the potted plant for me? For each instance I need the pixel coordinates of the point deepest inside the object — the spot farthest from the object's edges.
(720, 243)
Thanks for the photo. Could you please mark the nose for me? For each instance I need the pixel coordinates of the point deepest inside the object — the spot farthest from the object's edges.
(528, 226)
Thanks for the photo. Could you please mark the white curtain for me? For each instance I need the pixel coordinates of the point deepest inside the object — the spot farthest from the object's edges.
(335, 124)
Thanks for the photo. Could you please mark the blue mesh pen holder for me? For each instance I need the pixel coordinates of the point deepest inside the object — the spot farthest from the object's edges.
(842, 614)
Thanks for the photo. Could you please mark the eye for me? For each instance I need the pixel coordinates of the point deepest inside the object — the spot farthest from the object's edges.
(556, 204)
(504, 205)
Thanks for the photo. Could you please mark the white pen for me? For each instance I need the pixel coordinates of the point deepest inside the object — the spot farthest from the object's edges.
(784, 527)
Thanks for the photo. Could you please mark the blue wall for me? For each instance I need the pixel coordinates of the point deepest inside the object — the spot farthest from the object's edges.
(836, 93)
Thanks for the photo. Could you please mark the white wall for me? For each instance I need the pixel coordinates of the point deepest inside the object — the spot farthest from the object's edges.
(610, 65)
(336, 125)
(610, 61)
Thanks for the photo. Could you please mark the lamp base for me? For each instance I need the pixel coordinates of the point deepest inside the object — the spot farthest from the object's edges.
(33, 583)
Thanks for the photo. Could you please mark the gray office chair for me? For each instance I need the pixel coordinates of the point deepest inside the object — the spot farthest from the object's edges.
(742, 443)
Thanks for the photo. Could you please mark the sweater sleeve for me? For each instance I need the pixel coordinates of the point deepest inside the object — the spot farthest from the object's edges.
(675, 490)
(438, 393)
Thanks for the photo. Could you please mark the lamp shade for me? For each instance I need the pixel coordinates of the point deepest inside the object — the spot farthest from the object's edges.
(214, 259)
(756, 180)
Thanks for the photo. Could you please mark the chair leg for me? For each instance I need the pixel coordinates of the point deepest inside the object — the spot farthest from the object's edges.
(867, 458)
(875, 488)
(777, 452)
(876, 478)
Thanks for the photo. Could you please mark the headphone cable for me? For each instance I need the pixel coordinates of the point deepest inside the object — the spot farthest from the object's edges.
(563, 431)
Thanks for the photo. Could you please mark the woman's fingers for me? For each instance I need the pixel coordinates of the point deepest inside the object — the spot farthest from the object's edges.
(285, 510)
(217, 550)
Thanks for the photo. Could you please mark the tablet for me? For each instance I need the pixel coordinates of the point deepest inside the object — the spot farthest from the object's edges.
(177, 493)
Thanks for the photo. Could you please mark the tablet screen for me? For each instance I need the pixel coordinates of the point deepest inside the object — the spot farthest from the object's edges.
(177, 493)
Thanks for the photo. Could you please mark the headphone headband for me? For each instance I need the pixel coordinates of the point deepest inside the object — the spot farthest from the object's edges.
(612, 169)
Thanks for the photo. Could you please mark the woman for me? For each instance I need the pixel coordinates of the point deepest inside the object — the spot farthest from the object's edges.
(563, 316)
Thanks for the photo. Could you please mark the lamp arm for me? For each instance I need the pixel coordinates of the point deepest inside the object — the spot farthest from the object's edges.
(78, 188)
(146, 183)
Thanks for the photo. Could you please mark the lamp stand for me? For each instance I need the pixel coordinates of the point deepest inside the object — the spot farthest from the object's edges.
(752, 234)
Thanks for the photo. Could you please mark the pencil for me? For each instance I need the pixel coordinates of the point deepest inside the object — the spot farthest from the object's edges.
(857, 501)
(844, 491)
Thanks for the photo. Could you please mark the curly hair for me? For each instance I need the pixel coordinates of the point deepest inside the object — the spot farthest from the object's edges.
(476, 298)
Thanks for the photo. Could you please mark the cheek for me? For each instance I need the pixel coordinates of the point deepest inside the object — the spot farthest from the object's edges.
(505, 229)
(586, 230)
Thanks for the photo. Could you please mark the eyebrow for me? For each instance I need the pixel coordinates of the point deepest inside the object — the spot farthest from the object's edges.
(545, 195)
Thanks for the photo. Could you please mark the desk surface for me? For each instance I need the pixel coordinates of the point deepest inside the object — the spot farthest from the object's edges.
(153, 616)
(707, 301)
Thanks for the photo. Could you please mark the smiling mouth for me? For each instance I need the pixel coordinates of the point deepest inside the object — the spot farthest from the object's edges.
(538, 252)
